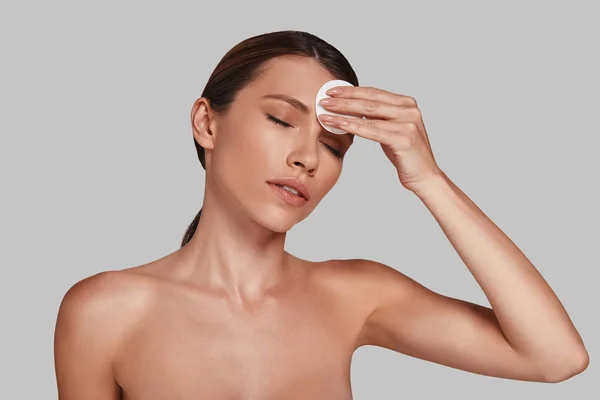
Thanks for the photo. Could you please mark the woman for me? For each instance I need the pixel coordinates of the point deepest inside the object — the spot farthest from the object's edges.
(231, 314)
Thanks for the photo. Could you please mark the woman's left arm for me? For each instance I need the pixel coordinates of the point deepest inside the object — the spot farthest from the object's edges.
(530, 316)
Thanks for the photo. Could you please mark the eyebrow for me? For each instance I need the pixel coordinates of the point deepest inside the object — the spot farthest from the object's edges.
(294, 102)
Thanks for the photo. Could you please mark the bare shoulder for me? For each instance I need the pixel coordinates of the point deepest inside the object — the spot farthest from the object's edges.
(369, 284)
(94, 317)
(366, 283)
(381, 284)
(366, 277)
(102, 291)
(104, 303)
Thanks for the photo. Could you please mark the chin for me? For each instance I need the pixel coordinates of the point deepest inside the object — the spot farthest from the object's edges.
(279, 220)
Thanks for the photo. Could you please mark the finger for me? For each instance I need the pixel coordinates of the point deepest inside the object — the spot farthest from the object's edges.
(376, 130)
(371, 108)
(372, 93)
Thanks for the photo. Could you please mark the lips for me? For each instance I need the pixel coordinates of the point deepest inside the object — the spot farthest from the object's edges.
(293, 183)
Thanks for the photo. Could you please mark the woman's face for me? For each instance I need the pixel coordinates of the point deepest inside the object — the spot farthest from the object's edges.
(249, 147)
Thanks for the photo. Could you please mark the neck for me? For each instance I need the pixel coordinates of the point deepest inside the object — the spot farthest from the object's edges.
(233, 254)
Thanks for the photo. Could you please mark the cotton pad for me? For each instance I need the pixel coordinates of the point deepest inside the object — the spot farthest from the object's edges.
(319, 109)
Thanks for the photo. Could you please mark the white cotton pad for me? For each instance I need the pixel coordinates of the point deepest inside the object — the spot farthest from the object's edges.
(319, 109)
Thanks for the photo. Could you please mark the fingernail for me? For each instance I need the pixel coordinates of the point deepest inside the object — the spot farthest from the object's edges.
(334, 91)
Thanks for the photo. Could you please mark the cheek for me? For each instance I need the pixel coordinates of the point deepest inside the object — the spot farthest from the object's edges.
(254, 147)
(327, 176)
(263, 145)
(237, 142)
(328, 181)
(247, 153)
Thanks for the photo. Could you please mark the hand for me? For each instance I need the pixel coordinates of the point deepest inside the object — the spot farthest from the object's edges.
(392, 120)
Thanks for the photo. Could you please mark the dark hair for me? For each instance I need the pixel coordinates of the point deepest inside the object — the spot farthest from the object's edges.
(243, 63)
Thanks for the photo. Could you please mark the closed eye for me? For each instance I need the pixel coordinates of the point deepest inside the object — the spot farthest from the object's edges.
(335, 152)
(277, 121)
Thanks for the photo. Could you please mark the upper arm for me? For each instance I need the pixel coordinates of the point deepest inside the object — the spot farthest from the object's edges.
(84, 342)
(409, 318)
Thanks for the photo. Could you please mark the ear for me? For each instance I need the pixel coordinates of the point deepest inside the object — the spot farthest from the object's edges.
(203, 123)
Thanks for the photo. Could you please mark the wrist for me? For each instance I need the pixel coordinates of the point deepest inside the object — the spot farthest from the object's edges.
(437, 181)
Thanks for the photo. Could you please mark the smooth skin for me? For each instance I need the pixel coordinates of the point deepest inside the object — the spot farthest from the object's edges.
(232, 315)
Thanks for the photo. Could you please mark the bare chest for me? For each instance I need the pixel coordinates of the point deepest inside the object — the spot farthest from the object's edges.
(297, 349)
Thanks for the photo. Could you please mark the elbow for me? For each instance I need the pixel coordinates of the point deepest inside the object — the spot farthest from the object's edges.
(561, 373)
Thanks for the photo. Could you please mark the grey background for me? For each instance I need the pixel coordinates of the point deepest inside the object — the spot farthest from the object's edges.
(99, 170)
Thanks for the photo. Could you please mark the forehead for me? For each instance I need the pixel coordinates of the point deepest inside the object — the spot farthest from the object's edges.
(300, 77)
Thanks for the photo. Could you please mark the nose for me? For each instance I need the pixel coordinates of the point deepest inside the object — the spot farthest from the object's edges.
(305, 155)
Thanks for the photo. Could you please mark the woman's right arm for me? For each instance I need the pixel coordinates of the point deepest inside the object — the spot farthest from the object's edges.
(85, 340)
